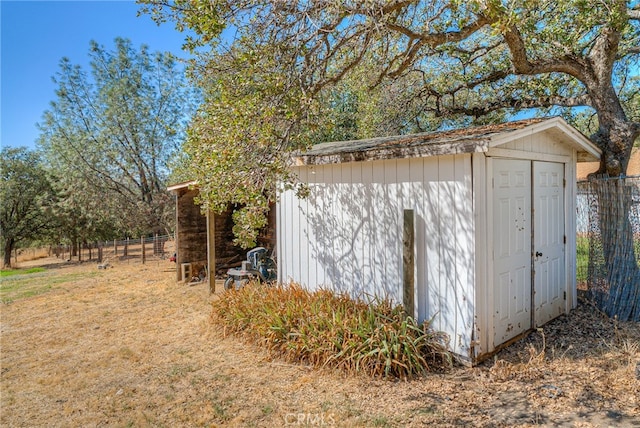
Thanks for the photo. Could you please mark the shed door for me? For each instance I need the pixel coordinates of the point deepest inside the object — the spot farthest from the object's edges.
(513, 253)
(549, 241)
(512, 248)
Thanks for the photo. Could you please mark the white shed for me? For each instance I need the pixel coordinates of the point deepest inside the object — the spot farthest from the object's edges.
(473, 229)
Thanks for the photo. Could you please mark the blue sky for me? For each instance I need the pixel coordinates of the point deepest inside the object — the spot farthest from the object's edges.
(35, 35)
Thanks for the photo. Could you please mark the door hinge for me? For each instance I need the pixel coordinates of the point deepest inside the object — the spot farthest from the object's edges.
(564, 295)
(564, 239)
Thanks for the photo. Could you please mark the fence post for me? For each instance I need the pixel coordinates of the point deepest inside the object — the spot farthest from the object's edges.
(125, 252)
(143, 252)
(99, 246)
(115, 247)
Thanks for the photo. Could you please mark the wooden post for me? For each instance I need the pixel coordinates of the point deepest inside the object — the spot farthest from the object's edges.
(211, 251)
(115, 247)
(79, 251)
(99, 252)
(125, 252)
(408, 263)
(142, 245)
(176, 239)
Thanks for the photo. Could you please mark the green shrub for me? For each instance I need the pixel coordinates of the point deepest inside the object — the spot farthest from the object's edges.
(326, 329)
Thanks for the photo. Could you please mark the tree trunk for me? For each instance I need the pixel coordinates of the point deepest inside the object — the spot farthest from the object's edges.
(8, 249)
(74, 248)
(616, 134)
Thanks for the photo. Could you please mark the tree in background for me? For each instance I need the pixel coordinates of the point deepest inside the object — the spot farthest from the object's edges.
(26, 196)
(80, 217)
(108, 138)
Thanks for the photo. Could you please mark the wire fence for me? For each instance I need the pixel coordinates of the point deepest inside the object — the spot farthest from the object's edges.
(608, 245)
(141, 250)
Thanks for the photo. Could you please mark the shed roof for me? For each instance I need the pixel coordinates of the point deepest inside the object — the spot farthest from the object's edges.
(467, 140)
(183, 185)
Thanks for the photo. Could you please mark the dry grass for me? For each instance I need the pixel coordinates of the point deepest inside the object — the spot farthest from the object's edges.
(128, 346)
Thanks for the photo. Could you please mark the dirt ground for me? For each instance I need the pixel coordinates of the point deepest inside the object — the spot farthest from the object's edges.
(128, 346)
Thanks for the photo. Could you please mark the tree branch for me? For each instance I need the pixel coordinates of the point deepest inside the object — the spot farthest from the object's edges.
(513, 103)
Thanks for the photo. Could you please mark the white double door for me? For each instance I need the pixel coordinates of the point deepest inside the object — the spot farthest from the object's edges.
(528, 245)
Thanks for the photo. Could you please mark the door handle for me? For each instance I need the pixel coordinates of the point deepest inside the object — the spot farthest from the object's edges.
(538, 254)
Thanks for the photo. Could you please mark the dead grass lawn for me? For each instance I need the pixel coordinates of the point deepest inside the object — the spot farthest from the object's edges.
(128, 346)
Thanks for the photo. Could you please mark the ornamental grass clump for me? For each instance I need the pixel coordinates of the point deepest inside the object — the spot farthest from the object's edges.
(326, 329)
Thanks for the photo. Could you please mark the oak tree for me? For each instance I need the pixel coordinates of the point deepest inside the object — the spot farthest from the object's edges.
(26, 196)
(470, 58)
(454, 59)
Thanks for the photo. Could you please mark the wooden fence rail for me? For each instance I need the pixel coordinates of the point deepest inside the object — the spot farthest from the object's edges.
(140, 250)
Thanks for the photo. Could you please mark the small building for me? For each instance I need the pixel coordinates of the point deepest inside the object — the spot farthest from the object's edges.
(200, 241)
(473, 229)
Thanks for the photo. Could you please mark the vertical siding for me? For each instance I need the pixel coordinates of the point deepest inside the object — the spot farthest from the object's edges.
(570, 195)
(309, 232)
(366, 232)
(483, 305)
(448, 262)
(391, 224)
(348, 235)
(432, 207)
(335, 234)
(539, 143)
(294, 240)
(376, 243)
(464, 252)
(281, 231)
(302, 265)
(357, 245)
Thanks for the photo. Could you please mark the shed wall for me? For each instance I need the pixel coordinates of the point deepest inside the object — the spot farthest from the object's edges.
(191, 230)
(347, 235)
(550, 143)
